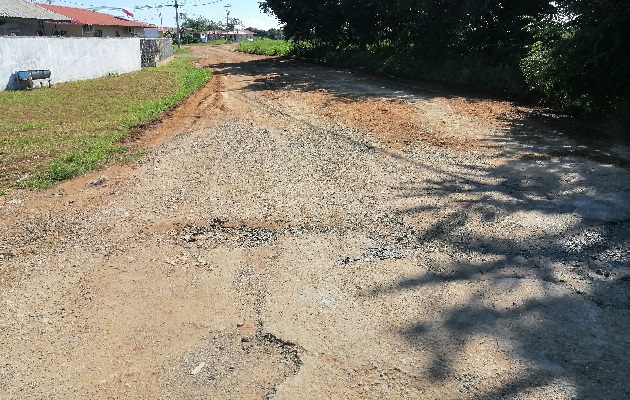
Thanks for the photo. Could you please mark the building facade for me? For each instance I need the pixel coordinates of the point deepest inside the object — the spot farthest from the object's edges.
(21, 18)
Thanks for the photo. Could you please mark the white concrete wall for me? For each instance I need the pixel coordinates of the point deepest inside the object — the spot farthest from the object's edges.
(69, 59)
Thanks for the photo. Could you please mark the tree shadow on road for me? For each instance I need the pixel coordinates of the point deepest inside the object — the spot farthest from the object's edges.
(345, 85)
(539, 244)
(542, 247)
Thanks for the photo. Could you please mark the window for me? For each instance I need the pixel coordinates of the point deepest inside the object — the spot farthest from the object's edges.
(98, 33)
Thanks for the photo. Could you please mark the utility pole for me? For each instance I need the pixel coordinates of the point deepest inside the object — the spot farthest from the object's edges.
(179, 35)
(227, 17)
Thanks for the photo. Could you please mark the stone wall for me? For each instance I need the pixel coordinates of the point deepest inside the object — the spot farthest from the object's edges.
(155, 50)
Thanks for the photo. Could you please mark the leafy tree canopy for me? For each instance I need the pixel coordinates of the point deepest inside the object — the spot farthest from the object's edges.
(575, 53)
(199, 23)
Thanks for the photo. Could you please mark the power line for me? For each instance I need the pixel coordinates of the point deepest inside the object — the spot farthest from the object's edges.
(142, 7)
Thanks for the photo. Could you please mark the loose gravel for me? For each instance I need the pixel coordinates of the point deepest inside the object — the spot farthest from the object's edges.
(290, 238)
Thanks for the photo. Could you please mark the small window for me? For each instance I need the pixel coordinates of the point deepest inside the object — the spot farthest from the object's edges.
(98, 33)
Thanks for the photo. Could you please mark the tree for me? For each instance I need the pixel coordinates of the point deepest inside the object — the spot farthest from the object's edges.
(231, 24)
(199, 23)
(273, 33)
(574, 52)
(186, 38)
(581, 57)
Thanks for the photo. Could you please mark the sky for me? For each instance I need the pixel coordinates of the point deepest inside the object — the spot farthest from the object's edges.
(245, 10)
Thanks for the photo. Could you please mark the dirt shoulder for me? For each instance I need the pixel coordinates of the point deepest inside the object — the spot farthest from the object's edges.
(297, 231)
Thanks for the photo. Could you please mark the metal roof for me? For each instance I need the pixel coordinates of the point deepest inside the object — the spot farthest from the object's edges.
(24, 9)
(89, 17)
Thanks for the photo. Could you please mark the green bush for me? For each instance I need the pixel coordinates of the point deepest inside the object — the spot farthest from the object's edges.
(185, 38)
(581, 66)
(386, 59)
(266, 47)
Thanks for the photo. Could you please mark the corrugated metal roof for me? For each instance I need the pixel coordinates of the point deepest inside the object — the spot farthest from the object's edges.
(24, 9)
(88, 17)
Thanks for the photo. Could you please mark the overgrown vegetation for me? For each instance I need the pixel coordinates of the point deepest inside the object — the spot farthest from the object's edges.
(47, 135)
(573, 54)
(273, 33)
(184, 38)
(203, 24)
(266, 47)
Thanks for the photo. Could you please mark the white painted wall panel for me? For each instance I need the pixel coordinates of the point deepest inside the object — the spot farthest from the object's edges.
(69, 59)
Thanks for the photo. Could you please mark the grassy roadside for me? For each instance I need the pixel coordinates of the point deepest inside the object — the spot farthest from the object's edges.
(266, 47)
(48, 135)
(181, 50)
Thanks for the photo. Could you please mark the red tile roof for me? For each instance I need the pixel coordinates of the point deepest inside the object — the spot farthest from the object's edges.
(88, 17)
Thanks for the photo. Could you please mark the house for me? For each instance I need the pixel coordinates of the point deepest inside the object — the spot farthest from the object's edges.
(202, 36)
(216, 35)
(87, 23)
(240, 35)
(164, 31)
(21, 18)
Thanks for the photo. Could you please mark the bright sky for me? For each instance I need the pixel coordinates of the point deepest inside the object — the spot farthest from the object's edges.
(149, 10)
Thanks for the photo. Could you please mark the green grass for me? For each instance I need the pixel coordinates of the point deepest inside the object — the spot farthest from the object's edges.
(54, 134)
(210, 43)
(182, 50)
(219, 41)
(266, 47)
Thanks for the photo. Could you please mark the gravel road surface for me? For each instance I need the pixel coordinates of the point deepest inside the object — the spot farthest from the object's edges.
(302, 232)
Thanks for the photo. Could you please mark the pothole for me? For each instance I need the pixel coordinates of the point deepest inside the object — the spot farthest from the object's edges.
(235, 366)
(220, 231)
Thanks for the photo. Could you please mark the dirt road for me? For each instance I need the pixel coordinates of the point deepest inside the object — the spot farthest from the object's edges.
(299, 232)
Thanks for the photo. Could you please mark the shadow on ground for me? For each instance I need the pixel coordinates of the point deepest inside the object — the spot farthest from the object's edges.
(542, 241)
(543, 244)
